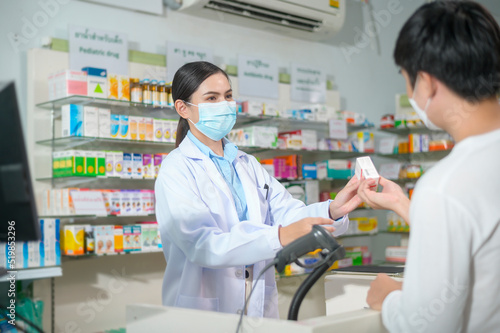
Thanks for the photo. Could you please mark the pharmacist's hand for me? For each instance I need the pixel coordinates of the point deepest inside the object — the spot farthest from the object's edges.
(302, 227)
(382, 286)
(346, 200)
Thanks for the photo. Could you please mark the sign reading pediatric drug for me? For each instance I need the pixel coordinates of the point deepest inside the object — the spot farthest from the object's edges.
(179, 54)
(308, 84)
(105, 49)
(257, 77)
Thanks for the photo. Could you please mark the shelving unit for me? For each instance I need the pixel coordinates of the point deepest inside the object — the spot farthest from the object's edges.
(34, 273)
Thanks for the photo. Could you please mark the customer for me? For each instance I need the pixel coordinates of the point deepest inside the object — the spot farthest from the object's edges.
(449, 54)
(222, 218)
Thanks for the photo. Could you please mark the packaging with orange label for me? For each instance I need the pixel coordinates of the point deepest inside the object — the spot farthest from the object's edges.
(72, 237)
(141, 129)
(149, 128)
(123, 88)
(118, 238)
(112, 86)
(90, 163)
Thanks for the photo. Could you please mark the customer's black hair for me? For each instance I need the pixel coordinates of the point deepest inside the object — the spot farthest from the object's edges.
(186, 81)
(458, 42)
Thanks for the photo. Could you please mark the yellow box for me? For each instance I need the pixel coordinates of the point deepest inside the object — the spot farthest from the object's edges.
(72, 237)
(112, 92)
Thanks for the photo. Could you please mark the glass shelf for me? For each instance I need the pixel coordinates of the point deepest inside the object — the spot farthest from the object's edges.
(33, 273)
(408, 130)
(107, 144)
(436, 154)
(107, 218)
(94, 255)
(365, 234)
(395, 232)
(290, 124)
(95, 182)
(331, 153)
(118, 107)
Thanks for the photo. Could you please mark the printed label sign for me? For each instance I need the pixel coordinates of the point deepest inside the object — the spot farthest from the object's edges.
(179, 54)
(258, 77)
(90, 47)
(308, 84)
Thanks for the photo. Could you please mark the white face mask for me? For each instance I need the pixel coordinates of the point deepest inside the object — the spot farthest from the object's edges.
(423, 113)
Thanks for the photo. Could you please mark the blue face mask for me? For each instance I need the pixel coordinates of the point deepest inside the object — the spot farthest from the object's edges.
(216, 120)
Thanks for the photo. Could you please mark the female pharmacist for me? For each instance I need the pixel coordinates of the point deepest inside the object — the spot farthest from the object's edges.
(449, 54)
(221, 216)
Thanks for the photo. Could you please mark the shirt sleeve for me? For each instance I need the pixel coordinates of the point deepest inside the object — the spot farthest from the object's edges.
(437, 279)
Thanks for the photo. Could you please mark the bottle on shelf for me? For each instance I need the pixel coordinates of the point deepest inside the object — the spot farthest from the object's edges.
(146, 91)
(155, 97)
(135, 90)
(169, 96)
(89, 246)
(162, 93)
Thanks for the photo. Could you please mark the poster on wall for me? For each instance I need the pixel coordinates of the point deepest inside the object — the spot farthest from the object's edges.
(89, 47)
(308, 84)
(258, 77)
(179, 54)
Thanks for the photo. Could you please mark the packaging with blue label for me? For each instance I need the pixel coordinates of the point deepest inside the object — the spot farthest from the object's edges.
(115, 125)
(72, 120)
(96, 82)
(309, 171)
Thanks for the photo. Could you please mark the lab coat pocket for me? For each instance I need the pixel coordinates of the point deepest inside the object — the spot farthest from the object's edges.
(199, 303)
(264, 204)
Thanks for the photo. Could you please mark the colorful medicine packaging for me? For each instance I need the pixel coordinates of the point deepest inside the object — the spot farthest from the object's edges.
(104, 123)
(96, 82)
(66, 83)
(72, 120)
(104, 239)
(72, 240)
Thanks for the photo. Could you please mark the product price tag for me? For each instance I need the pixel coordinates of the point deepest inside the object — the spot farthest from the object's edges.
(90, 47)
(179, 54)
(258, 77)
(390, 170)
(338, 129)
(88, 203)
(308, 84)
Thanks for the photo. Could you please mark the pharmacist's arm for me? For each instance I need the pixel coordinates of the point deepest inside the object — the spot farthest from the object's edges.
(435, 287)
(285, 210)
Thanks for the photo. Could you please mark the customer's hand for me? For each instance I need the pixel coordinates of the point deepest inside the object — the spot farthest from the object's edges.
(302, 227)
(346, 200)
(391, 197)
(382, 286)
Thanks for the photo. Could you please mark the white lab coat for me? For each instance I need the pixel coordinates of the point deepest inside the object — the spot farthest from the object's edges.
(206, 246)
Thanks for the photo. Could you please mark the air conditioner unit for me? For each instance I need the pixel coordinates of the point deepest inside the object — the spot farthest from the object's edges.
(315, 20)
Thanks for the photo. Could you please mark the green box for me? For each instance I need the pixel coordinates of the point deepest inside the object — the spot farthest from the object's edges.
(76, 163)
(56, 164)
(357, 257)
(101, 163)
(90, 163)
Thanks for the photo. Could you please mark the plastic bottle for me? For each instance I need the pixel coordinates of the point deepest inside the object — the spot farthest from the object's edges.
(146, 91)
(163, 95)
(155, 96)
(135, 90)
(169, 95)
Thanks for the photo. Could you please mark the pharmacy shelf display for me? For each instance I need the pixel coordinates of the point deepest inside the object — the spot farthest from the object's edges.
(34, 273)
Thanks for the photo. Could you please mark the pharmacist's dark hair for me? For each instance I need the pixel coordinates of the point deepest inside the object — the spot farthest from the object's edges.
(458, 42)
(186, 81)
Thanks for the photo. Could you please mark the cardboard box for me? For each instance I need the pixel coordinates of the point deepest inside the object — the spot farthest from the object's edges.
(90, 163)
(90, 121)
(118, 238)
(365, 169)
(123, 88)
(147, 166)
(137, 166)
(112, 86)
(261, 136)
(96, 82)
(66, 83)
(115, 126)
(362, 142)
(124, 127)
(104, 239)
(128, 238)
(149, 128)
(72, 240)
(72, 120)
(135, 199)
(104, 121)
(116, 202)
(101, 163)
(134, 127)
(127, 166)
(141, 129)
(126, 202)
(158, 130)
